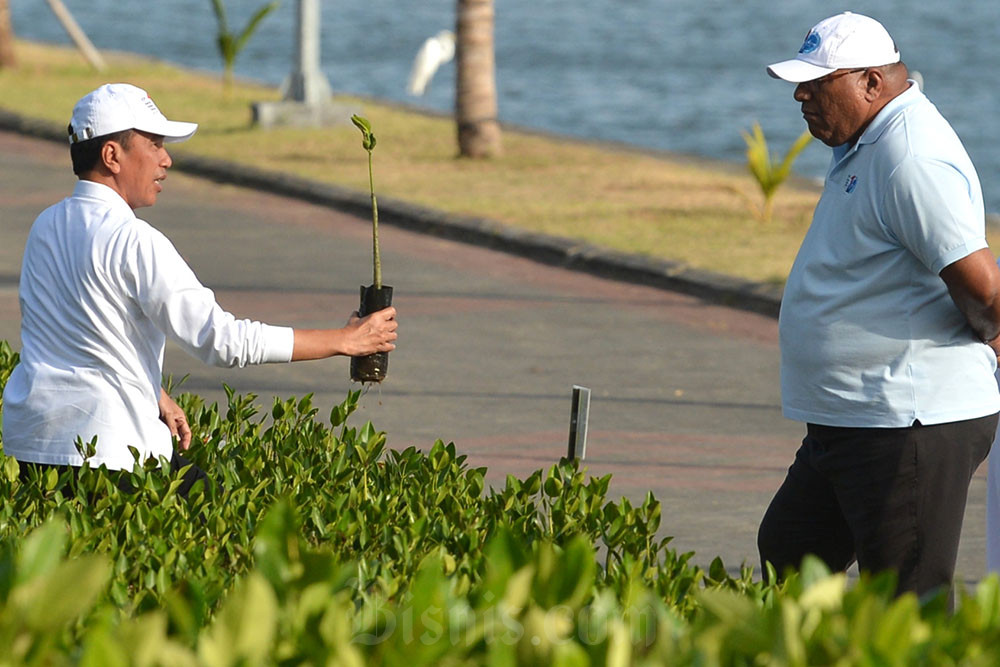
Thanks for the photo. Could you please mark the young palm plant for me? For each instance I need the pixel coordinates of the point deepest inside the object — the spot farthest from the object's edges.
(371, 368)
(230, 43)
(770, 176)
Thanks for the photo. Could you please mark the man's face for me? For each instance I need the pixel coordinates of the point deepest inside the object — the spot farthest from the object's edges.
(835, 106)
(144, 166)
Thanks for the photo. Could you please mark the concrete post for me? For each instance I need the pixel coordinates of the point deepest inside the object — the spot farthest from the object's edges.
(306, 94)
(307, 83)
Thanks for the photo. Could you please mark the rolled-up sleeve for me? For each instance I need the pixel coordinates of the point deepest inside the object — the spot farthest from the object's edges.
(170, 295)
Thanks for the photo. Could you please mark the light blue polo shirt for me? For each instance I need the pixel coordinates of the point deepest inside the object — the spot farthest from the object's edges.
(869, 334)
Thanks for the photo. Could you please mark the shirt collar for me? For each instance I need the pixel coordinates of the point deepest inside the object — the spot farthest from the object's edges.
(101, 192)
(883, 118)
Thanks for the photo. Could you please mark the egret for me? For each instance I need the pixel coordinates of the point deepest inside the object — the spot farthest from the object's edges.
(436, 51)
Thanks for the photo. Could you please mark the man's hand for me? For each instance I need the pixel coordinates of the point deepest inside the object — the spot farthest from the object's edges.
(372, 333)
(175, 419)
(362, 336)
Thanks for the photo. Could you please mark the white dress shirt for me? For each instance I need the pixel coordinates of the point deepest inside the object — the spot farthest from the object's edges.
(100, 292)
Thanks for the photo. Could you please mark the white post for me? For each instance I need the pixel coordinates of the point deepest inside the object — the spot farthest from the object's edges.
(307, 82)
(306, 98)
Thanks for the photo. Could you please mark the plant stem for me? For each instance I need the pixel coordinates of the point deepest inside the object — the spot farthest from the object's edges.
(768, 211)
(377, 259)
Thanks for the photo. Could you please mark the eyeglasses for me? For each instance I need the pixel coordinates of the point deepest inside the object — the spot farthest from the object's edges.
(816, 84)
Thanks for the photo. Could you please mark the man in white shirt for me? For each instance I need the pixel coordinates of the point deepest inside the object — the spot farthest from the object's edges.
(887, 323)
(102, 290)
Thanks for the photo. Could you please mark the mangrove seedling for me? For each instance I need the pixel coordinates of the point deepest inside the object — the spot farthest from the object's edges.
(368, 142)
(371, 368)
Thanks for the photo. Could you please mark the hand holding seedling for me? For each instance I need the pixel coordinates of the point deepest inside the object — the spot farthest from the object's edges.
(372, 333)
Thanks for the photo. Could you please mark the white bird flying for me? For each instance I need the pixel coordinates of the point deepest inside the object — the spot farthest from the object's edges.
(436, 51)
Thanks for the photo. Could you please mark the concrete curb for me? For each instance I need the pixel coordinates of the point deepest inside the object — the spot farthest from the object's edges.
(557, 251)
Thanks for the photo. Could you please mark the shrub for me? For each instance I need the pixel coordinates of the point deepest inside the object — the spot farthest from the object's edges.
(318, 545)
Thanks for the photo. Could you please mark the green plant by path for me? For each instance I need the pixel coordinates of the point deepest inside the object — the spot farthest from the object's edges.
(230, 44)
(368, 143)
(770, 176)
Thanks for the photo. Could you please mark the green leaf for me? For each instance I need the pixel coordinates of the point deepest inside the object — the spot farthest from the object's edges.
(275, 535)
(900, 627)
(362, 124)
(101, 648)
(813, 571)
(368, 139)
(220, 15)
(11, 468)
(51, 479)
(568, 578)
(341, 412)
(44, 601)
(251, 26)
(244, 629)
(42, 551)
(717, 570)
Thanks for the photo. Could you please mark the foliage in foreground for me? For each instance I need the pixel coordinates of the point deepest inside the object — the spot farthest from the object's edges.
(320, 546)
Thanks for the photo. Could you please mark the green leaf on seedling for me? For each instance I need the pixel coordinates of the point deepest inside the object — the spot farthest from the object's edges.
(368, 139)
(362, 123)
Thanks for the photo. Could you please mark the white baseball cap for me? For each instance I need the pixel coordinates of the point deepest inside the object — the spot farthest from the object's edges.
(115, 107)
(843, 41)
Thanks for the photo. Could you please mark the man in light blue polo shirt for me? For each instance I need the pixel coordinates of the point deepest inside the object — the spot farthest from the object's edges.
(886, 323)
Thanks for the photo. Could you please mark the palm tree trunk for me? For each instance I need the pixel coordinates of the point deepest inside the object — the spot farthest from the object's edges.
(7, 57)
(476, 90)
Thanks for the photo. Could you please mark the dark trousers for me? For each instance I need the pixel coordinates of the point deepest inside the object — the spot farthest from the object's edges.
(177, 462)
(890, 498)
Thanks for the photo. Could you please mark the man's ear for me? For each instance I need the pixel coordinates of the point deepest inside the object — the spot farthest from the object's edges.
(875, 83)
(111, 153)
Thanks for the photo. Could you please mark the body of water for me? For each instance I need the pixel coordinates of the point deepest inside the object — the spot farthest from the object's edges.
(679, 75)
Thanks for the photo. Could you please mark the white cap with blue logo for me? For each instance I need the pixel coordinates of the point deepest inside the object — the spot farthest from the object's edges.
(844, 41)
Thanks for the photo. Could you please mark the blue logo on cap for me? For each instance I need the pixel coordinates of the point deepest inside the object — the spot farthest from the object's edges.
(811, 43)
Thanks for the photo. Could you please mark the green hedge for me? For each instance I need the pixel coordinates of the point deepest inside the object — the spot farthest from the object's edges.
(321, 546)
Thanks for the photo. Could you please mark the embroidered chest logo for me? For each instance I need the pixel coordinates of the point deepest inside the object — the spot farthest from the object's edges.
(811, 43)
(851, 184)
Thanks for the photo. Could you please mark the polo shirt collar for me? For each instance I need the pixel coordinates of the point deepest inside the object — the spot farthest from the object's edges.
(880, 123)
(101, 192)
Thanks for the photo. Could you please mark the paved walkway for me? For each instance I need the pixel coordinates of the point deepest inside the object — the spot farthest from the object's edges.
(685, 396)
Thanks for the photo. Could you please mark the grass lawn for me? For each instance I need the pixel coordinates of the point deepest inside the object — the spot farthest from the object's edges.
(672, 207)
